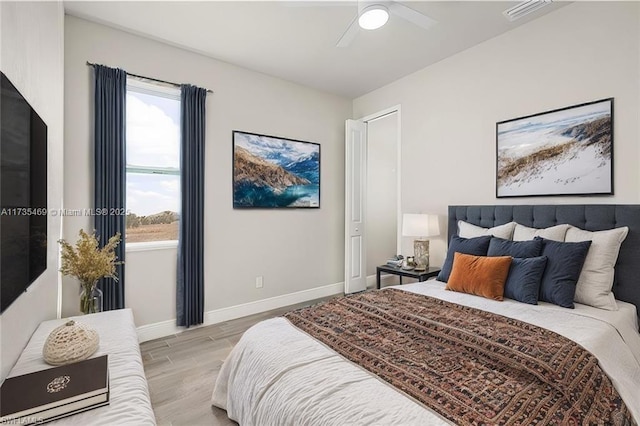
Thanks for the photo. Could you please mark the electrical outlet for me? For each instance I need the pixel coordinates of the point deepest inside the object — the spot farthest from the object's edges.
(259, 282)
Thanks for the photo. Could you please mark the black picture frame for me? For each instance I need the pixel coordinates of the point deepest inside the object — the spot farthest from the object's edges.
(273, 172)
(562, 152)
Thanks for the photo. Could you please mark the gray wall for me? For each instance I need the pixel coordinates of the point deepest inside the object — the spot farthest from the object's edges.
(382, 197)
(294, 250)
(31, 57)
(579, 53)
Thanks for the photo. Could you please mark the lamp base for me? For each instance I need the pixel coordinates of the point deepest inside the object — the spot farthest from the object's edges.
(421, 254)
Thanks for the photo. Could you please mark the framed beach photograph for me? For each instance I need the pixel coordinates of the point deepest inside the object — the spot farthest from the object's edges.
(275, 172)
(567, 151)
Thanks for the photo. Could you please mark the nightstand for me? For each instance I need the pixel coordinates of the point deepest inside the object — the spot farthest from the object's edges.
(419, 275)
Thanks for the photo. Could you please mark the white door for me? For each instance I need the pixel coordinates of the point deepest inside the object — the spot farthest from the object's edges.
(355, 201)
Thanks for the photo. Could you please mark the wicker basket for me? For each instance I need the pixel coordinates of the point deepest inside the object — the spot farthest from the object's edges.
(69, 343)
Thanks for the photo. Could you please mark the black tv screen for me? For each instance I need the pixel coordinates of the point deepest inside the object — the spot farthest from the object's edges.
(23, 194)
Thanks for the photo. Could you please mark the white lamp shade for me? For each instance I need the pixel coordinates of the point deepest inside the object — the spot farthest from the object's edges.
(420, 225)
(373, 17)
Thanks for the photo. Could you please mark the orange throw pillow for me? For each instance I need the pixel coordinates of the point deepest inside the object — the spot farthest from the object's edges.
(480, 275)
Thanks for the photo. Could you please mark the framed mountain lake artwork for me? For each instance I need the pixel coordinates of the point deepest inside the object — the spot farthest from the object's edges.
(567, 151)
(274, 172)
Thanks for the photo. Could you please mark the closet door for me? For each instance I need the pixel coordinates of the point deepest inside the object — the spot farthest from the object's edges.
(355, 206)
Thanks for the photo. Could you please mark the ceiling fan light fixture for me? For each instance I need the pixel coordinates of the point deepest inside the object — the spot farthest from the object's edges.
(373, 17)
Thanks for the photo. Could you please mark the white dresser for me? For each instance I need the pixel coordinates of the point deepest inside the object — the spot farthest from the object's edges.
(129, 394)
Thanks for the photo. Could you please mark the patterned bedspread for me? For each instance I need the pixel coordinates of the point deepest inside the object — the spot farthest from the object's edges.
(468, 365)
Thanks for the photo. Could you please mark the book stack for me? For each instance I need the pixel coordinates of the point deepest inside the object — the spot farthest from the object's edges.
(57, 392)
(395, 262)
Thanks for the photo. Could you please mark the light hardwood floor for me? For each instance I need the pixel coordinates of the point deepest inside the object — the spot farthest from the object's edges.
(181, 369)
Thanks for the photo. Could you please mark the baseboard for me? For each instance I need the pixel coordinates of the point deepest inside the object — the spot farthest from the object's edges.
(385, 279)
(169, 327)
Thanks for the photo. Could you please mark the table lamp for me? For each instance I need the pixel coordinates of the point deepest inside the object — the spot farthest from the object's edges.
(421, 226)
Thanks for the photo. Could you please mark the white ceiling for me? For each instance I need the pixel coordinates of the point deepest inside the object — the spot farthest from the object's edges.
(295, 40)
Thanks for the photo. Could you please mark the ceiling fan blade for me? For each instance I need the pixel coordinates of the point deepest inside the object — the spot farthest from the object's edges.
(350, 34)
(411, 15)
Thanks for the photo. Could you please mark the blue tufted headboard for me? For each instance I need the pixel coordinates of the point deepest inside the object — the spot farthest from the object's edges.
(592, 217)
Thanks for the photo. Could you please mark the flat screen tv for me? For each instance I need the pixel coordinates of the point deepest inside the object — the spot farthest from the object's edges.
(23, 194)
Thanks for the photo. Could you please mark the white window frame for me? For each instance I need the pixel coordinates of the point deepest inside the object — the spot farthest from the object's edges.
(139, 86)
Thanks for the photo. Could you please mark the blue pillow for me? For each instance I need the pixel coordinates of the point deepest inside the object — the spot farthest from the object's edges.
(523, 281)
(563, 269)
(476, 246)
(502, 247)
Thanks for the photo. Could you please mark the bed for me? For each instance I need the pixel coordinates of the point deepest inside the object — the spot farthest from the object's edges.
(278, 374)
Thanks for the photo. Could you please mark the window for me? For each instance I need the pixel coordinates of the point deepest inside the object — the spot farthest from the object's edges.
(153, 164)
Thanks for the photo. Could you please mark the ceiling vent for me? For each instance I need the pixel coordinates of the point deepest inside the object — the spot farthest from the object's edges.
(524, 8)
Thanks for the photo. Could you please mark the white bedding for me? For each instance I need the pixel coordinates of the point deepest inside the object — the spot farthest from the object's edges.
(277, 374)
(128, 394)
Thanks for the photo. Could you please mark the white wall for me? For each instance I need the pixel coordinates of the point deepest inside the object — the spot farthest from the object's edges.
(583, 52)
(31, 57)
(638, 90)
(382, 204)
(294, 250)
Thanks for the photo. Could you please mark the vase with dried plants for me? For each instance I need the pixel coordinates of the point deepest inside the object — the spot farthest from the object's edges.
(88, 263)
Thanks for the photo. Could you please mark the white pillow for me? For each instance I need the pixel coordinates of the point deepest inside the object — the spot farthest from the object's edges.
(555, 233)
(467, 230)
(596, 278)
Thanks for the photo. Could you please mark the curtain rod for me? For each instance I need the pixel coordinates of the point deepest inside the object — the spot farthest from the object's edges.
(150, 78)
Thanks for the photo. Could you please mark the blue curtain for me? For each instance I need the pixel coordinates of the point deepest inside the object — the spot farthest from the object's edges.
(190, 284)
(110, 170)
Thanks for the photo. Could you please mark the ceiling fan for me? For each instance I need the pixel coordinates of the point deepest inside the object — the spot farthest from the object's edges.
(374, 15)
